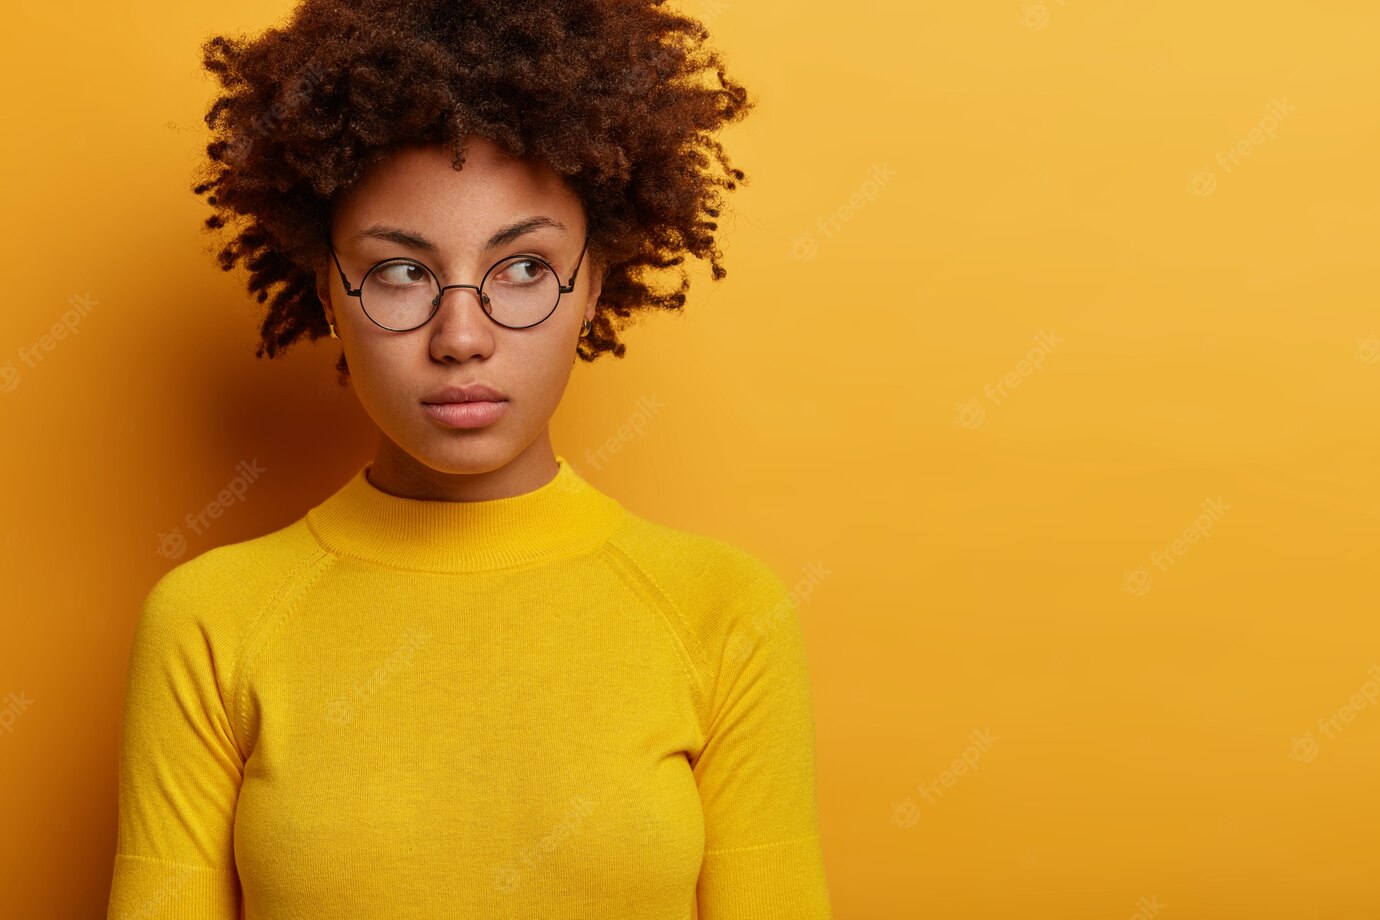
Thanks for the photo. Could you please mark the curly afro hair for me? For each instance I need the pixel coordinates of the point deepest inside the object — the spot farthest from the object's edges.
(618, 96)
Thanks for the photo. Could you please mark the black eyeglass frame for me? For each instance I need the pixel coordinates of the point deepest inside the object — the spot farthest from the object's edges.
(477, 288)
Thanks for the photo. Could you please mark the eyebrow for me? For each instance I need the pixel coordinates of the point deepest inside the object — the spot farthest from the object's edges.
(414, 240)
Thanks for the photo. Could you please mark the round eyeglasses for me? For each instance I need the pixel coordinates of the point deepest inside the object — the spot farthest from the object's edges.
(517, 292)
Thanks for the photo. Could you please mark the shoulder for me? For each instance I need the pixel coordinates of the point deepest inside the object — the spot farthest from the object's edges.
(696, 570)
(726, 602)
(211, 603)
(735, 618)
(239, 573)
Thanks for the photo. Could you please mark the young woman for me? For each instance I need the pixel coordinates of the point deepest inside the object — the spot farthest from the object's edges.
(468, 684)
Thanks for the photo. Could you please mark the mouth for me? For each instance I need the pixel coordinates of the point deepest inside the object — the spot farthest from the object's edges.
(469, 392)
(474, 413)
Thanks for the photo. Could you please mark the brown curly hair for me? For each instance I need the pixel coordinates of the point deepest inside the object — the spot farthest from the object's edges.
(610, 93)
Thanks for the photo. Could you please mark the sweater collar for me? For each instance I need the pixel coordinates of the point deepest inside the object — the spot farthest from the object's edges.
(565, 517)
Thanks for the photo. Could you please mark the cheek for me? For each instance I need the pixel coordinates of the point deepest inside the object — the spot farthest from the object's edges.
(538, 379)
(383, 376)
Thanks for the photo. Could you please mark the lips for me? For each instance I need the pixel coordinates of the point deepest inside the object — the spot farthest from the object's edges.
(471, 392)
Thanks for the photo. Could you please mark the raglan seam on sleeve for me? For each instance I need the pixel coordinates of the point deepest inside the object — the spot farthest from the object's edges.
(642, 584)
(254, 640)
(808, 838)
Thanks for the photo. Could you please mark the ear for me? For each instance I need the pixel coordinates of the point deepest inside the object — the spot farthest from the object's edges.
(596, 286)
(323, 289)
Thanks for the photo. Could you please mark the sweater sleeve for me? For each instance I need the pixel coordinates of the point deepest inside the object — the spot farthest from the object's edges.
(763, 857)
(180, 766)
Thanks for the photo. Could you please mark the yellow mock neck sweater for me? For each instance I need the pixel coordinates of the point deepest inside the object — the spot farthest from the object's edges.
(539, 706)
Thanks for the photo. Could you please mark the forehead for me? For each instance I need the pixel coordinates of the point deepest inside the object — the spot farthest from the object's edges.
(418, 188)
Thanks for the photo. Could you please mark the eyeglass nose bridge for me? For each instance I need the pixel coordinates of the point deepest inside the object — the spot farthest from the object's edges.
(484, 300)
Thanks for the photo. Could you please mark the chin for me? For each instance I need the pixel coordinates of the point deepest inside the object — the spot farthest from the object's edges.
(467, 453)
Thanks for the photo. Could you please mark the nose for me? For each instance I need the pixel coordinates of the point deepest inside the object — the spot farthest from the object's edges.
(461, 329)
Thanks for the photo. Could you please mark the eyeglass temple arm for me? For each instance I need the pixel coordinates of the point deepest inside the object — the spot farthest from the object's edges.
(353, 292)
(566, 289)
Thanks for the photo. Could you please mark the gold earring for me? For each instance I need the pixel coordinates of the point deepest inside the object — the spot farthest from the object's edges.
(584, 330)
(333, 335)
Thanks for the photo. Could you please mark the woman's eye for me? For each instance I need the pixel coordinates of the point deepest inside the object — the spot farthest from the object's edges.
(523, 271)
(401, 273)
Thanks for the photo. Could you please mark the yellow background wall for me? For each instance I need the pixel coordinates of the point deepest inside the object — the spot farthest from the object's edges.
(1047, 365)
